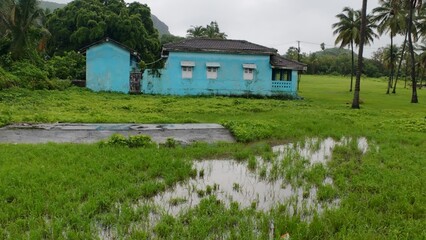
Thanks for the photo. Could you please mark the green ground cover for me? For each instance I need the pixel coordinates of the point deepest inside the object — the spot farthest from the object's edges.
(71, 190)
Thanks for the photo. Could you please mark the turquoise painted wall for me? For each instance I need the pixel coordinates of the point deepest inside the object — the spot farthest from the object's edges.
(229, 80)
(108, 68)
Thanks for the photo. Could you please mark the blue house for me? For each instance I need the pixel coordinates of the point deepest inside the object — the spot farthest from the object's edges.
(111, 66)
(201, 66)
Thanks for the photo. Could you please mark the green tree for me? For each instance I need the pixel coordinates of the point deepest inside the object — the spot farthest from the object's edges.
(390, 18)
(362, 39)
(347, 30)
(210, 31)
(213, 31)
(169, 38)
(196, 32)
(20, 21)
(412, 4)
(292, 53)
(83, 22)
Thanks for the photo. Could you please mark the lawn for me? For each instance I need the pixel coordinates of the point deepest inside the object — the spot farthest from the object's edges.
(75, 191)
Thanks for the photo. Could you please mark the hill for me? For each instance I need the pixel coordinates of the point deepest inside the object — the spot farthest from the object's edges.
(51, 5)
(333, 52)
(158, 24)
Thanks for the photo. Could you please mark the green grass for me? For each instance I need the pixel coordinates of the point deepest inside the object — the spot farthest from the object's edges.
(55, 191)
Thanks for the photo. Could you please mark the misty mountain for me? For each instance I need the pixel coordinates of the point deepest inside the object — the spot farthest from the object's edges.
(158, 24)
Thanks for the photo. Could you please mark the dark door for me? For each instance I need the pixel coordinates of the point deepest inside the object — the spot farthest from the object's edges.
(135, 82)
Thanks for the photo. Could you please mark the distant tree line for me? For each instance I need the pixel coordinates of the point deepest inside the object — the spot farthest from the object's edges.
(335, 61)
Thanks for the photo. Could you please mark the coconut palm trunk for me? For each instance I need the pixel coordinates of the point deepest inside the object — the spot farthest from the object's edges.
(414, 98)
(353, 66)
(391, 65)
(400, 62)
(355, 102)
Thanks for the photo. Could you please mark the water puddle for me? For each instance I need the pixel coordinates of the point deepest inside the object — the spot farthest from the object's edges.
(319, 151)
(258, 183)
(262, 188)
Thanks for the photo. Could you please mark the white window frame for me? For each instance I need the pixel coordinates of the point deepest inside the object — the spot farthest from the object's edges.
(187, 69)
(211, 69)
(187, 72)
(212, 72)
(248, 71)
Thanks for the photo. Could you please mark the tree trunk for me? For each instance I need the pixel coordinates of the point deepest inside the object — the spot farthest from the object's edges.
(414, 98)
(353, 66)
(400, 63)
(355, 102)
(406, 74)
(391, 65)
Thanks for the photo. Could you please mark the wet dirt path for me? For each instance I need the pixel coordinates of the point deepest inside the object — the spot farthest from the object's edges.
(90, 133)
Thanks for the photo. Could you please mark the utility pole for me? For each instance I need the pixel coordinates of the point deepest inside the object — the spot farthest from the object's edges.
(298, 51)
(298, 59)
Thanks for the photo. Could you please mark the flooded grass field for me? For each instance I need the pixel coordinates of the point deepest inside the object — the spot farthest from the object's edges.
(266, 184)
(308, 169)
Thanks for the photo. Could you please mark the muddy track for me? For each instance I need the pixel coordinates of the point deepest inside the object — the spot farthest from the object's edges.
(90, 133)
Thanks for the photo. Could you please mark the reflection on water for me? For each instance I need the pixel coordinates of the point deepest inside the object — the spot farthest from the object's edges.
(232, 181)
(277, 182)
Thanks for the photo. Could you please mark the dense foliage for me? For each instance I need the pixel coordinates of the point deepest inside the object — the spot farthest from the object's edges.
(42, 47)
(209, 31)
(83, 22)
(336, 61)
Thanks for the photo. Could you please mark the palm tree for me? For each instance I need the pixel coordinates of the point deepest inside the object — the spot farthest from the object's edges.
(390, 18)
(422, 61)
(213, 31)
(355, 102)
(19, 19)
(348, 32)
(421, 21)
(411, 6)
(210, 31)
(196, 32)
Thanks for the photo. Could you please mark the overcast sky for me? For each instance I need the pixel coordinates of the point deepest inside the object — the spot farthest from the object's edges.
(273, 23)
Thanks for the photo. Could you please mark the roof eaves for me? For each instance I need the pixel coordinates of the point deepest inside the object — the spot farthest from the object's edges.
(107, 39)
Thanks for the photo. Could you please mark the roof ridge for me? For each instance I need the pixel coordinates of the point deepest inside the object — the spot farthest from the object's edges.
(215, 44)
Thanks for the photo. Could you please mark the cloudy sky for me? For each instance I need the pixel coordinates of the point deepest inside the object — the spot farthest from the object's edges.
(273, 23)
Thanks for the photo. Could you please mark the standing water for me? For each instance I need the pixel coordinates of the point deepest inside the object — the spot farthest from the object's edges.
(233, 181)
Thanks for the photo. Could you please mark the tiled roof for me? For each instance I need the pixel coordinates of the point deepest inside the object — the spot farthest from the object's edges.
(280, 62)
(218, 45)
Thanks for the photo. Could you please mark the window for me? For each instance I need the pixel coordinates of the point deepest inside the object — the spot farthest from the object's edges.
(249, 71)
(281, 75)
(212, 69)
(187, 69)
(212, 72)
(187, 72)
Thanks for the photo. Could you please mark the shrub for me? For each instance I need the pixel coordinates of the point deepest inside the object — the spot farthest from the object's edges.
(143, 141)
(247, 131)
(70, 66)
(7, 80)
(135, 141)
(170, 143)
(32, 77)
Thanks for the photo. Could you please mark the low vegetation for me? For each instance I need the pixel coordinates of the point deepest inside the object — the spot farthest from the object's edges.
(51, 191)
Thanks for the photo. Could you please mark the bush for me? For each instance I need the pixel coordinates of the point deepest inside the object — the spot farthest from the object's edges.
(70, 66)
(170, 143)
(135, 141)
(247, 131)
(31, 77)
(142, 141)
(7, 80)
